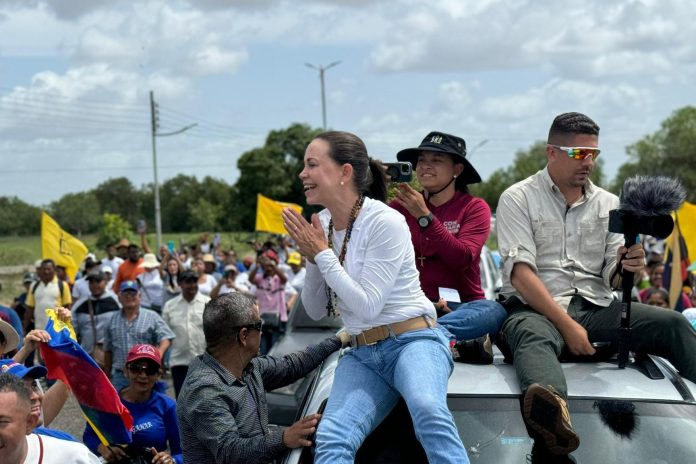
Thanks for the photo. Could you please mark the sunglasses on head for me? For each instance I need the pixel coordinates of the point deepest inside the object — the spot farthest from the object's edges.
(147, 368)
(579, 153)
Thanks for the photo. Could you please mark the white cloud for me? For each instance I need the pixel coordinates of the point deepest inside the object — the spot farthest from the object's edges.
(213, 60)
(559, 94)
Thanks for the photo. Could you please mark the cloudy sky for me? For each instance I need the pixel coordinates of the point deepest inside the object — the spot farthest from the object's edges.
(75, 77)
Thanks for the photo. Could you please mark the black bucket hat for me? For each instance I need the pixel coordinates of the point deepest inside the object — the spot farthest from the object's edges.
(443, 143)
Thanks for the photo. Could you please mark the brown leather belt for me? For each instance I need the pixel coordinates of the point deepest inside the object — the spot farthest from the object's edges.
(382, 332)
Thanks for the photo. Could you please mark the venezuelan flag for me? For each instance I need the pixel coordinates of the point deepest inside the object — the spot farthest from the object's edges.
(67, 361)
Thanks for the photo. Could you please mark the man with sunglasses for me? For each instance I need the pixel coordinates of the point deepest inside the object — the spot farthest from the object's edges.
(222, 408)
(559, 266)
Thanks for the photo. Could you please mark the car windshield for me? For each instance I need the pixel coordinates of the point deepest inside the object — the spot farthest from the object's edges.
(610, 431)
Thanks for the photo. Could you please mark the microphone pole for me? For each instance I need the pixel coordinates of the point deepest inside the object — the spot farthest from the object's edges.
(627, 277)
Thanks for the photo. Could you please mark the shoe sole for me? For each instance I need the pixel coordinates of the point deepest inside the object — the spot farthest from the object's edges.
(543, 414)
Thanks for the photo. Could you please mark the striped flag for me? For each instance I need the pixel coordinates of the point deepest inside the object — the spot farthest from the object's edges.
(67, 361)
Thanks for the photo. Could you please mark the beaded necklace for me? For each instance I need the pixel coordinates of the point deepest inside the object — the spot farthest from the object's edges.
(332, 304)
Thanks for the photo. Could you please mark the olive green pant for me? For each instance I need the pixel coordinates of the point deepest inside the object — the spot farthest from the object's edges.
(536, 345)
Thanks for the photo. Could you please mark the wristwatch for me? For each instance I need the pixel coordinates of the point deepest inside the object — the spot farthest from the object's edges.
(425, 221)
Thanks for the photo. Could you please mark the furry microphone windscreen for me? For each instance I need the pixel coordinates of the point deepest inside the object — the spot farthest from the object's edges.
(651, 195)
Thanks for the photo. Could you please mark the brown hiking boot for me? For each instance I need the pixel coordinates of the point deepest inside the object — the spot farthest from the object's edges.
(547, 414)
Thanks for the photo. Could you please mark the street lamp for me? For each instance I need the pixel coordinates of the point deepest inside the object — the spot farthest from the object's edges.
(155, 134)
(321, 70)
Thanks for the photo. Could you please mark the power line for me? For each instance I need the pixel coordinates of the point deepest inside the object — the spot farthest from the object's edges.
(114, 168)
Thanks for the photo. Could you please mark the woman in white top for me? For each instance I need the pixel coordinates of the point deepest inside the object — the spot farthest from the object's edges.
(361, 264)
(206, 282)
(151, 285)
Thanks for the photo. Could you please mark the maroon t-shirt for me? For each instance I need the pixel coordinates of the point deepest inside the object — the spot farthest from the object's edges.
(451, 245)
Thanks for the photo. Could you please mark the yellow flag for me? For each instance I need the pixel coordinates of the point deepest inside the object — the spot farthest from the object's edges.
(687, 223)
(268, 218)
(675, 282)
(60, 246)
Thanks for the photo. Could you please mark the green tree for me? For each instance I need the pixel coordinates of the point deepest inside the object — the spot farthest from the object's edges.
(18, 217)
(119, 196)
(670, 151)
(113, 228)
(77, 213)
(272, 171)
(205, 215)
(526, 163)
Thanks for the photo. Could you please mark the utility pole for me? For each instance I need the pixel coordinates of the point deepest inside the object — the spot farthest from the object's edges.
(154, 119)
(321, 70)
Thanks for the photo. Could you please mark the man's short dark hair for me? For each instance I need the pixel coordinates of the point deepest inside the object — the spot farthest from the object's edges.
(223, 315)
(12, 383)
(48, 261)
(572, 123)
(133, 245)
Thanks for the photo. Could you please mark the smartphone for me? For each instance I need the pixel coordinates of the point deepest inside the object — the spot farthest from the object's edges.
(142, 226)
(401, 171)
(170, 246)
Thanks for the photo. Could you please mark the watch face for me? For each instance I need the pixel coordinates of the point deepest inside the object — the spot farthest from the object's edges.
(423, 221)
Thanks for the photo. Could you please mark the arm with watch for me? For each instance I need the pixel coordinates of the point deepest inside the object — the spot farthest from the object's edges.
(459, 249)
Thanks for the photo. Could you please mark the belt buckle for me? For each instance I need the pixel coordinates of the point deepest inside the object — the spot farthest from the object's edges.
(365, 343)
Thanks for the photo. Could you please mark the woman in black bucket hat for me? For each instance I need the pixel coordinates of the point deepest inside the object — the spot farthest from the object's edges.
(449, 227)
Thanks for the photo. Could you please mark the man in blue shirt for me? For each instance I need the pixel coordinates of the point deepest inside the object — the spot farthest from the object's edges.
(130, 326)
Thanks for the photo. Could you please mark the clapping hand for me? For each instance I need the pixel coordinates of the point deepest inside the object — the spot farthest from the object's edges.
(309, 238)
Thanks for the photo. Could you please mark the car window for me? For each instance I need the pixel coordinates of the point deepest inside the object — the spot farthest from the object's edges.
(610, 431)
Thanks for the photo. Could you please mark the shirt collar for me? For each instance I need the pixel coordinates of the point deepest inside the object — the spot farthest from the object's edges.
(213, 363)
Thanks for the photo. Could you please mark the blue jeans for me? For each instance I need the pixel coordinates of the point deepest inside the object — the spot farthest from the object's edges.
(473, 319)
(367, 385)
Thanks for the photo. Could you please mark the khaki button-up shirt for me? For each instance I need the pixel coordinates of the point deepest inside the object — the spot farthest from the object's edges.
(568, 246)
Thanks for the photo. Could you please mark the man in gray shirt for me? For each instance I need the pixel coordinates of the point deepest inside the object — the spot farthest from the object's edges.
(559, 266)
(222, 411)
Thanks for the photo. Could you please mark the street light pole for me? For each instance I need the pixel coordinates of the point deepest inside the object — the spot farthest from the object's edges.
(321, 70)
(155, 134)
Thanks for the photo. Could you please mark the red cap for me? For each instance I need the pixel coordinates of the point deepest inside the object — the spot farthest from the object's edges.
(272, 255)
(143, 351)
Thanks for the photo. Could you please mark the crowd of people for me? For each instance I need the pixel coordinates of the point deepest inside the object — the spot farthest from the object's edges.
(404, 279)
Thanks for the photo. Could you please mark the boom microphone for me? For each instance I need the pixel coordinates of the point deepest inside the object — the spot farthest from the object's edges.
(646, 204)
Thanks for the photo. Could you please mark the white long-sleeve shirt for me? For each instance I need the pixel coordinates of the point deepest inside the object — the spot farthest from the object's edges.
(378, 283)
